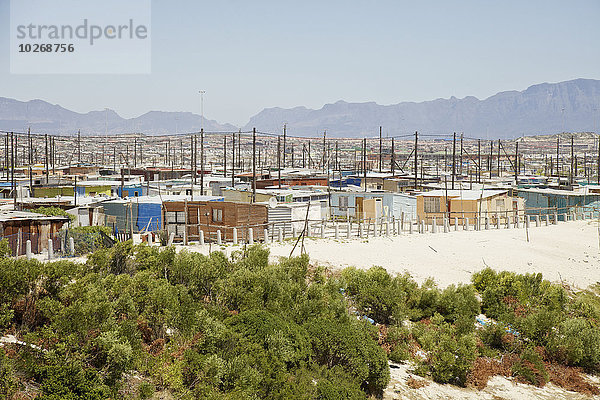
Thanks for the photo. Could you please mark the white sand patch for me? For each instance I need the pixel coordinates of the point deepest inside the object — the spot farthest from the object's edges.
(568, 251)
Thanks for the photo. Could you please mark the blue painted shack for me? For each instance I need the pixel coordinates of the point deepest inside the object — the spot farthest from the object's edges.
(548, 201)
(145, 212)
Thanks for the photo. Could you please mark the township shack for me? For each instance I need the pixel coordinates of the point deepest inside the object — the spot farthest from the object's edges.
(462, 204)
(19, 226)
(548, 201)
(187, 218)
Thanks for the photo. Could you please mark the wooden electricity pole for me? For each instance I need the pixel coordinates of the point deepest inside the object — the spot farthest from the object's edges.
(202, 162)
(453, 159)
(380, 151)
(279, 159)
(253, 165)
(233, 160)
(393, 163)
(225, 156)
(284, 148)
(365, 162)
(416, 158)
(78, 146)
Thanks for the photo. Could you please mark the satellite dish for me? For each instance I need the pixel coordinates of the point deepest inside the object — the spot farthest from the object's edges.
(272, 202)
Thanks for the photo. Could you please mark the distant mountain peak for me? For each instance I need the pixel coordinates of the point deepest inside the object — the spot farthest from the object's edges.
(507, 114)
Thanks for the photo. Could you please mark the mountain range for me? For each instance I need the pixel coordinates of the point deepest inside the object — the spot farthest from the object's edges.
(547, 108)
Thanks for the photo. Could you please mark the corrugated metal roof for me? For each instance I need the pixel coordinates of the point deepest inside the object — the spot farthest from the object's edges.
(24, 215)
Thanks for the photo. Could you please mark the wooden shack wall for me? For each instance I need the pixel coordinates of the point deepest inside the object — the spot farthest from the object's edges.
(17, 233)
(199, 215)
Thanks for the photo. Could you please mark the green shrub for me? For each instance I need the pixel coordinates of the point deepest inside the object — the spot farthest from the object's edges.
(5, 250)
(459, 305)
(530, 368)
(380, 296)
(398, 338)
(353, 348)
(450, 355)
(53, 212)
(8, 384)
(146, 390)
(577, 342)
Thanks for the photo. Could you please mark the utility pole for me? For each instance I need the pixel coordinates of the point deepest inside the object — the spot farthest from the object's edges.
(29, 144)
(393, 163)
(365, 162)
(461, 155)
(79, 146)
(233, 160)
(53, 154)
(499, 145)
(416, 158)
(446, 160)
(253, 165)
(479, 160)
(558, 157)
(225, 156)
(240, 165)
(6, 157)
(337, 163)
(292, 151)
(114, 159)
(303, 155)
(572, 175)
(380, 151)
(516, 162)
(12, 167)
(202, 162)
(284, 135)
(453, 159)
(279, 158)
(324, 150)
(46, 159)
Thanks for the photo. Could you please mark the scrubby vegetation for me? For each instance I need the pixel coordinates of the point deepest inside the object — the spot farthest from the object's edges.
(53, 212)
(532, 330)
(138, 320)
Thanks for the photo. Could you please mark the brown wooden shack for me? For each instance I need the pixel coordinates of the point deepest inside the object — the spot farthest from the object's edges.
(211, 216)
(19, 226)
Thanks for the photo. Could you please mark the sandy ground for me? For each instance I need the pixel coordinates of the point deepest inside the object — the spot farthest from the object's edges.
(568, 251)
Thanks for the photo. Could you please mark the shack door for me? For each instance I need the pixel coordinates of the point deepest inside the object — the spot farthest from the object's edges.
(359, 207)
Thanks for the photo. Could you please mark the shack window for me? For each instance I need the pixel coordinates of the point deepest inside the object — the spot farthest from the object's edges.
(343, 203)
(217, 215)
(499, 204)
(431, 204)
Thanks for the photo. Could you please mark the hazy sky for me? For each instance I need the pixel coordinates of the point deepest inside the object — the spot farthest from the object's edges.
(249, 55)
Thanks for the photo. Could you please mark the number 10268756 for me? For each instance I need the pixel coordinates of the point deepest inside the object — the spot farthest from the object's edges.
(46, 48)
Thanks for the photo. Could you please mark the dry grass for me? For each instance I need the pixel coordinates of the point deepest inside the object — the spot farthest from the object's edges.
(569, 378)
(415, 383)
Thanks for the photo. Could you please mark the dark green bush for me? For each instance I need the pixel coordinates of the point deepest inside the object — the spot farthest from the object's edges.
(577, 342)
(530, 367)
(450, 354)
(380, 296)
(351, 347)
